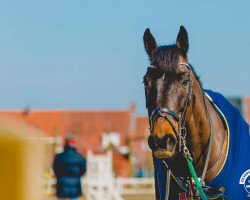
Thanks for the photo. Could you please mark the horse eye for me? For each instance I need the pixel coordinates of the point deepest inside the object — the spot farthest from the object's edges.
(185, 81)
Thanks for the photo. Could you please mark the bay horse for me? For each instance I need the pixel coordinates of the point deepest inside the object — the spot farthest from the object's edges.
(187, 121)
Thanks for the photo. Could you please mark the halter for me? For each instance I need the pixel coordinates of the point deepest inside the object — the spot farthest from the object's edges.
(166, 112)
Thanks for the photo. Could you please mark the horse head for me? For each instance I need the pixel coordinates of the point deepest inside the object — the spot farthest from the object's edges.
(169, 91)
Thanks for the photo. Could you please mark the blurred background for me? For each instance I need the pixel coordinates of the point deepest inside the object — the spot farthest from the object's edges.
(77, 67)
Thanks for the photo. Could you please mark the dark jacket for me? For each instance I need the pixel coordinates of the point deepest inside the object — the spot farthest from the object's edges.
(69, 166)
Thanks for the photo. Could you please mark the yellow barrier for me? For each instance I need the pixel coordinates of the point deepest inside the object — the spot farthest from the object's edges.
(21, 157)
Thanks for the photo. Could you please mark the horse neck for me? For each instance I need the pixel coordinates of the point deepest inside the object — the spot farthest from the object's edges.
(198, 128)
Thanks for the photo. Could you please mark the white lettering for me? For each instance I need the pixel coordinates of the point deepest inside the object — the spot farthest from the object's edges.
(244, 176)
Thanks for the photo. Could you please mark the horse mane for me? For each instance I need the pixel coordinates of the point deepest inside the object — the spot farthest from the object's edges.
(166, 59)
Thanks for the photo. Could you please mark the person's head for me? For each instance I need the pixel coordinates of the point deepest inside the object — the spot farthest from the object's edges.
(70, 140)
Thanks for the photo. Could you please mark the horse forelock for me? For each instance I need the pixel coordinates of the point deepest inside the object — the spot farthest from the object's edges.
(166, 58)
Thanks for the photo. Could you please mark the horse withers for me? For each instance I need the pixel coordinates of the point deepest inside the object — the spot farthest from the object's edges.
(188, 121)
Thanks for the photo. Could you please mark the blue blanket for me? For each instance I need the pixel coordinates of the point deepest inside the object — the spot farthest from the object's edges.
(235, 174)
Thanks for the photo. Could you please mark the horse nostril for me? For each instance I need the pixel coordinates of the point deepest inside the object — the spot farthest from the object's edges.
(170, 142)
(151, 143)
(167, 142)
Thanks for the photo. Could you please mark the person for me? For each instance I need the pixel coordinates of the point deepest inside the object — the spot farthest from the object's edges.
(69, 166)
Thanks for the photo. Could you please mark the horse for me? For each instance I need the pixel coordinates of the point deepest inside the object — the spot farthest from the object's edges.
(193, 132)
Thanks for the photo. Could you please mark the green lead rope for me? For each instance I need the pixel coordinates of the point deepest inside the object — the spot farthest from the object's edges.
(194, 175)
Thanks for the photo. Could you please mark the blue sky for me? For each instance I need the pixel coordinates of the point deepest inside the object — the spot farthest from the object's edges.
(90, 54)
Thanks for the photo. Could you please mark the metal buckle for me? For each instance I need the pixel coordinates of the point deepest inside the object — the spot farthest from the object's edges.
(183, 132)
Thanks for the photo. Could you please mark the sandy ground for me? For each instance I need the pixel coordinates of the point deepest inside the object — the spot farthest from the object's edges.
(139, 197)
(132, 197)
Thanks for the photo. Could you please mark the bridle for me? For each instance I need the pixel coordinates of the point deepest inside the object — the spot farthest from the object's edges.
(180, 132)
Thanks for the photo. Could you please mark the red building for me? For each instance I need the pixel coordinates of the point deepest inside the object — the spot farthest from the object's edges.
(89, 127)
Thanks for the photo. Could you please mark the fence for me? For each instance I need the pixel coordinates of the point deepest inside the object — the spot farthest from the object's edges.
(135, 186)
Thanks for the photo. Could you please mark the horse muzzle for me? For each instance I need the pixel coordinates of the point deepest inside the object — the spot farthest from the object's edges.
(164, 147)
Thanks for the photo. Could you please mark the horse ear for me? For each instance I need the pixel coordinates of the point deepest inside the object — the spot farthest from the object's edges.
(182, 40)
(149, 42)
